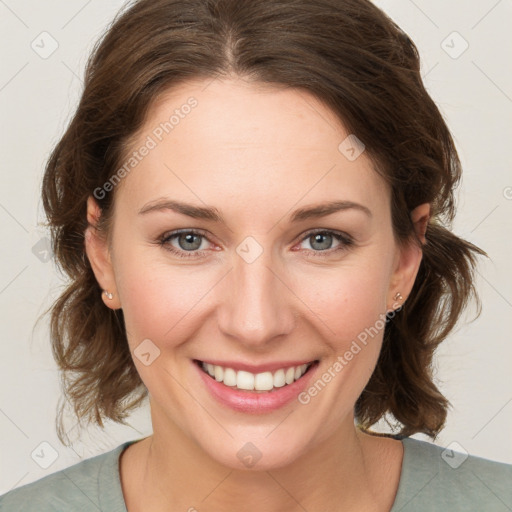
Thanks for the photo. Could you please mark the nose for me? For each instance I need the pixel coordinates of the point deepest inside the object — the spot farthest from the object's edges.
(257, 306)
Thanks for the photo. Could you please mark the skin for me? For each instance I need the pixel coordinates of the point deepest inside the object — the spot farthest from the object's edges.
(256, 153)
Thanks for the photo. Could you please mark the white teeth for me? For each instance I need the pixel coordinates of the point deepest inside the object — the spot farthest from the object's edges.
(264, 381)
(244, 380)
(219, 373)
(290, 375)
(229, 377)
(279, 379)
(247, 381)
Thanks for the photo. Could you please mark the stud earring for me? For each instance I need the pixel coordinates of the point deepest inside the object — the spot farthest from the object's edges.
(398, 296)
(109, 295)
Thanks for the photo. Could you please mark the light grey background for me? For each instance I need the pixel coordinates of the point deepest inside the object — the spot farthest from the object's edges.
(37, 96)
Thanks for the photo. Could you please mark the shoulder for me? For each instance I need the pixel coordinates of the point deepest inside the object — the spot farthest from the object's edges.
(437, 478)
(92, 484)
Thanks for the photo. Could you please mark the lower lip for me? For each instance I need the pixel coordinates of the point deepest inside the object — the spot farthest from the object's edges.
(255, 403)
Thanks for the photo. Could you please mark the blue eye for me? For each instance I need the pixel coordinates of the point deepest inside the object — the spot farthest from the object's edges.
(190, 242)
(321, 241)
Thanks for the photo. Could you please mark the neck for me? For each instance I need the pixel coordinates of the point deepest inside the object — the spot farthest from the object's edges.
(343, 472)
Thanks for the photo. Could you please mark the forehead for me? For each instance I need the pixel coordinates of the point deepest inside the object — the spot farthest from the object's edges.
(257, 143)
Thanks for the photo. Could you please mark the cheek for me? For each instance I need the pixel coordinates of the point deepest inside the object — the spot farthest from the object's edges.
(346, 301)
(159, 300)
(348, 308)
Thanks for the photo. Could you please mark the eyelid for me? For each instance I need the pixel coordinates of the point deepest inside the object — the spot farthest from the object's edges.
(344, 238)
(165, 239)
(314, 231)
(196, 231)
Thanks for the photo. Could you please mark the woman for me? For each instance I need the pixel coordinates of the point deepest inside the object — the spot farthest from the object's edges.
(252, 202)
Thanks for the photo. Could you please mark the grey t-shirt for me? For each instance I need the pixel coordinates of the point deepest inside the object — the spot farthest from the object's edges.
(432, 479)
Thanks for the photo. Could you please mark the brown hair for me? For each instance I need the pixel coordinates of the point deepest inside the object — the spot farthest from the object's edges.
(362, 66)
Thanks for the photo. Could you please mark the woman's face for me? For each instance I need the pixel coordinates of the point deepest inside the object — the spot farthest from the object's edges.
(253, 283)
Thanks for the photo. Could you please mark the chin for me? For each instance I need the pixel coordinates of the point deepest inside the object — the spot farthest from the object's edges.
(253, 455)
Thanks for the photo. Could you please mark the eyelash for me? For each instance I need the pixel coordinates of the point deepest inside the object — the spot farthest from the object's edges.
(346, 242)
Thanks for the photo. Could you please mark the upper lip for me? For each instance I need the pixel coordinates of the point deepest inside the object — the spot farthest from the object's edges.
(256, 368)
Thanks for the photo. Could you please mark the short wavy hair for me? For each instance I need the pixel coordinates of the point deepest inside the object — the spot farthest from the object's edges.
(361, 65)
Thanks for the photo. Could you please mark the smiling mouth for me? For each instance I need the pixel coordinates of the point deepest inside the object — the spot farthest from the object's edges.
(263, 382)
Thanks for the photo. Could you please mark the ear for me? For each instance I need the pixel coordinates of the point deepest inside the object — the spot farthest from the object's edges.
(98, 253)
(408, 259)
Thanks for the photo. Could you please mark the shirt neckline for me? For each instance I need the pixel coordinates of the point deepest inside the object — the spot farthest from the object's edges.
(118, 504)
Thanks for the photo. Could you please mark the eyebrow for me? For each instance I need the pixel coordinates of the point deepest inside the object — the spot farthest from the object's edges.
(213, 214)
